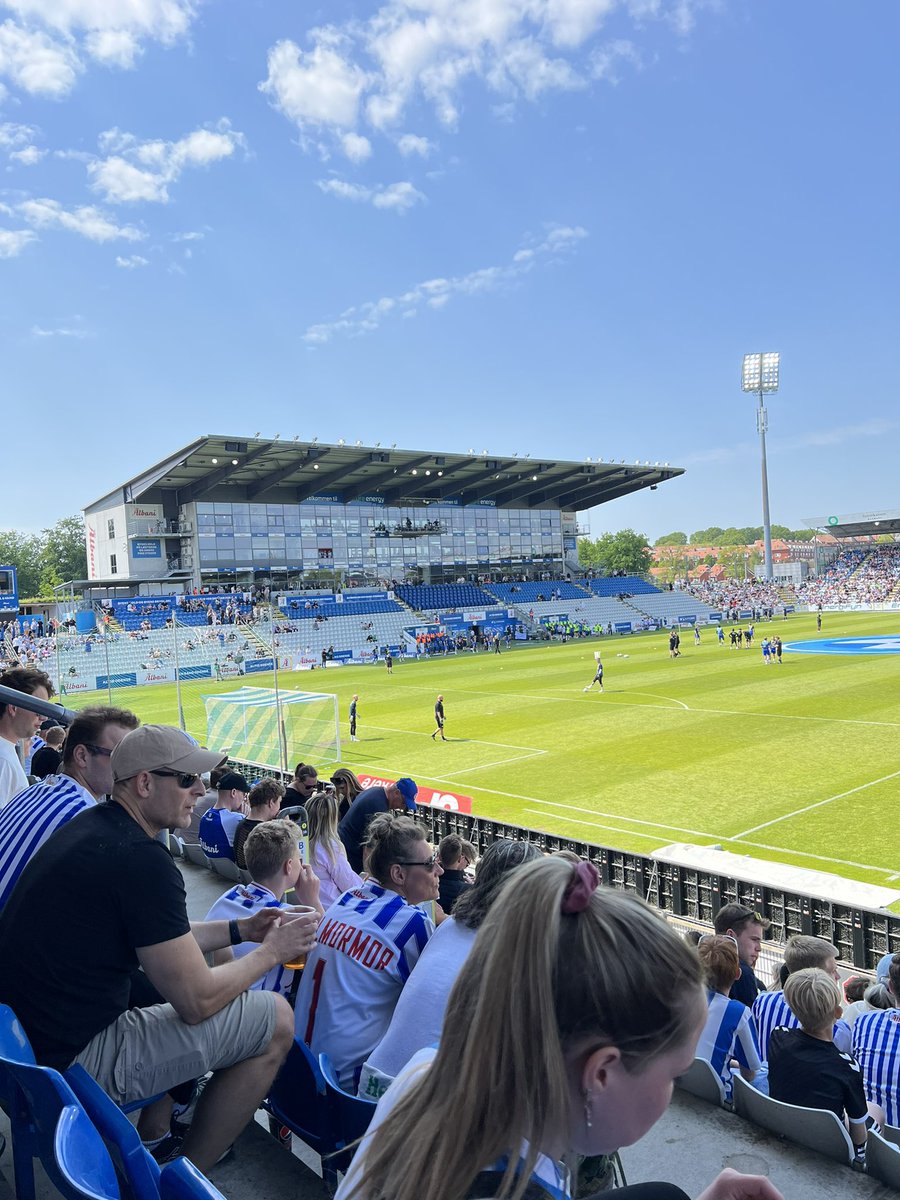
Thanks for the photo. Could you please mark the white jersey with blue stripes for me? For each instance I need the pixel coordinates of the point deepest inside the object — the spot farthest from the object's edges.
(241, 901)
(729, 1033)
(366, 945)
(876, 1047)
(772, 1011)
(30, 818)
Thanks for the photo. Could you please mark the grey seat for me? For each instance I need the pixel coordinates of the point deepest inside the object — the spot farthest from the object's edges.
(883, 1159)
(891, 1133)
(702, 1081)
(816, 1128)
(227, 869)
(194, 854)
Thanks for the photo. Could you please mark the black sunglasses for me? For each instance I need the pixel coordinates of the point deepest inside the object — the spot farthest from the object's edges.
(184, 780)
(428, 864)
(100, 751)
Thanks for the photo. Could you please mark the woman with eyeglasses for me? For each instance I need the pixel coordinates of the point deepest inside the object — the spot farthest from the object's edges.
(348, 788)
(327, 855)
(367, 943)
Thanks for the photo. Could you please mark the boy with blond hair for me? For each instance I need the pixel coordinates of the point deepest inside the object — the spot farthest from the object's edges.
(805, 1066)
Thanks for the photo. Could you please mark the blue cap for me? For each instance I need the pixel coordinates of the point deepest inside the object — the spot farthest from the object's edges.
(408, 790)
(882, 971)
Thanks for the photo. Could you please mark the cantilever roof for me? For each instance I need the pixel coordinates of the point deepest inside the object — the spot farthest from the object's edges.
(257, 470)
(848, 525)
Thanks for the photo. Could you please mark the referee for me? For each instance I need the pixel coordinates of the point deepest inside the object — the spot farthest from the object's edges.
(439, 718)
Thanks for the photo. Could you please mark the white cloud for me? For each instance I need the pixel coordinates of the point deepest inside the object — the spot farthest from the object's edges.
(436, 293)
(36, 63)
(14, 135)
(14, 241)
(356, 147)
(396, 196)
(131, 262)
(87, 221)
(143, 171)
(408, 51)
(29, 156)
(113, 47)
(63, 331)
(410, 144)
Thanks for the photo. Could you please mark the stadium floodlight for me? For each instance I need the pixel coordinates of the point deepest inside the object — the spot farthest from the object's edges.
(759, 374)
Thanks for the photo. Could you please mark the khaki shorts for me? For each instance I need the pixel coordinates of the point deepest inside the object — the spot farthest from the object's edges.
(149, 1050)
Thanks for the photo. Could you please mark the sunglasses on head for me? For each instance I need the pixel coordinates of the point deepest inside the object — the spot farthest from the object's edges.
(183, 779)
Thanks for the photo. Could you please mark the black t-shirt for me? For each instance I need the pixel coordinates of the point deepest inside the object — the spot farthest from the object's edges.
(451, 886)
(93, 893)
(439, 711)
(815, 1074)
(747, 988)
(45, 762)
(352, 829)
(292, 798)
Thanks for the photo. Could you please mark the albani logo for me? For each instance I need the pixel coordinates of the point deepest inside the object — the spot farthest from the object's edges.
(154, 677)
(137, 511)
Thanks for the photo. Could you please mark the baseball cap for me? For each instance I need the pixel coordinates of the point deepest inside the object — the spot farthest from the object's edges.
(408, 790)
(883, 970)
(232, 781)
(160, 747)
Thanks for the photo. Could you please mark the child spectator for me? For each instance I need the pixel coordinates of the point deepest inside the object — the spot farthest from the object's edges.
(805, 1066)
(772, 1009)
(573, 1014)
(273, 859)
(730, 1032)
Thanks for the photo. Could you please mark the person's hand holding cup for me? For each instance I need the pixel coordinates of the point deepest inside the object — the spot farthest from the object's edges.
(296, 935)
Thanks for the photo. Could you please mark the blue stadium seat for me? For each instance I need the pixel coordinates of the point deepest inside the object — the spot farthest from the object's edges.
(180, 1180)
(352, 1114)
(136, 1165)
(298, 1099)
(616, 585)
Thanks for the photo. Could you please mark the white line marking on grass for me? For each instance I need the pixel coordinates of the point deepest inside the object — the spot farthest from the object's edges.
(671, 699)
(844, 862)
(594, 812)
(818, 804)
(502, 763)
(650, 837)
(470, 741)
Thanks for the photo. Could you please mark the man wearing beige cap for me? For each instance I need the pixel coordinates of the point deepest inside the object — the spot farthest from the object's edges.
(74, 961)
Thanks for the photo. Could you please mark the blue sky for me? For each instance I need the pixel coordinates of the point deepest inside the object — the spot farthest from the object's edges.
(545, 226)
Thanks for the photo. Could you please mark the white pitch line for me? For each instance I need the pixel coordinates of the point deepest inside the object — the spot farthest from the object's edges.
(469, 741)
(650, 837)
(657, 695)
(543, 697)
(594, 812)
(818, 804)
(502, 763)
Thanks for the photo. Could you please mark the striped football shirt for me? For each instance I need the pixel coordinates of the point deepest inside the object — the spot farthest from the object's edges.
(367, 943)
(729, 1033)
(876, 1046)
(30, 818)
(772, 1011)
(243, 900)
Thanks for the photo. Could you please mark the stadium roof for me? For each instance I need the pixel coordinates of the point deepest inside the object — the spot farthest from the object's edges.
(263, 470)
(851, 525)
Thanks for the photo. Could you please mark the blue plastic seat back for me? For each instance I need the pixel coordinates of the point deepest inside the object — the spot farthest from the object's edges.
(135, 1164)
(353, 1112)
(180, 1180)
(49, 1123)
(298, 1099)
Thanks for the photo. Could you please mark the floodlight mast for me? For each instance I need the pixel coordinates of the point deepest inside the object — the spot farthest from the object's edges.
(759, 374)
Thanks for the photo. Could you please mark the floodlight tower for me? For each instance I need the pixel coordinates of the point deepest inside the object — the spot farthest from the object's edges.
(759, 374)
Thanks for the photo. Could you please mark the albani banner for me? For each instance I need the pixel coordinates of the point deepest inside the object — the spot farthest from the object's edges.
(426, 795)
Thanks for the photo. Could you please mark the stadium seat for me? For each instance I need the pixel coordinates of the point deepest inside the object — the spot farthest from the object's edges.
(227, 869)
(701, 1080)
(298, 1099)
(135, 1164)
(180, 1180)
(891, 1134)
(883, 1159)
(816, 1128)
(47, 1122)
(352, 1114)
(194, 854)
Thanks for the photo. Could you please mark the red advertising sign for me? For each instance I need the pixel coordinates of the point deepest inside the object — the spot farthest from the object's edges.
(426, 795)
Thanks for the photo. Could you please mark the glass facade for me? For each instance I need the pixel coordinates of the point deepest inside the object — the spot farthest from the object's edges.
(365, 537)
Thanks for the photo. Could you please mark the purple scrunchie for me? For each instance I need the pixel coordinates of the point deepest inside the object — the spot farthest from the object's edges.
(584, 882)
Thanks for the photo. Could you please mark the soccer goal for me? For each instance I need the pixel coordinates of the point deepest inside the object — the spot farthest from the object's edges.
(274, 729)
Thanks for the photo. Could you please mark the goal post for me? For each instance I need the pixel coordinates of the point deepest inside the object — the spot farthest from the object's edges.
(274, 729)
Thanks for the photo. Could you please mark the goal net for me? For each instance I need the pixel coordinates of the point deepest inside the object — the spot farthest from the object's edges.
(269, 729)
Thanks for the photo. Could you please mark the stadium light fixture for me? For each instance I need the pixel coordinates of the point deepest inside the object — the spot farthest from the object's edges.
(315, 466)
(213, 461)
(234, 462)
(760, 374)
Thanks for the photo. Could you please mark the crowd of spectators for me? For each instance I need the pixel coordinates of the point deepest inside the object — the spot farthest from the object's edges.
(856, 577)
(734, 596)
(488, 1004)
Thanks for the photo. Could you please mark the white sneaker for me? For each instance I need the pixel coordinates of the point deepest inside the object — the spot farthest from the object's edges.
(587, 689)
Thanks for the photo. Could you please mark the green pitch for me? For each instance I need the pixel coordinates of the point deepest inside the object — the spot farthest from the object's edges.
(795, 764)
